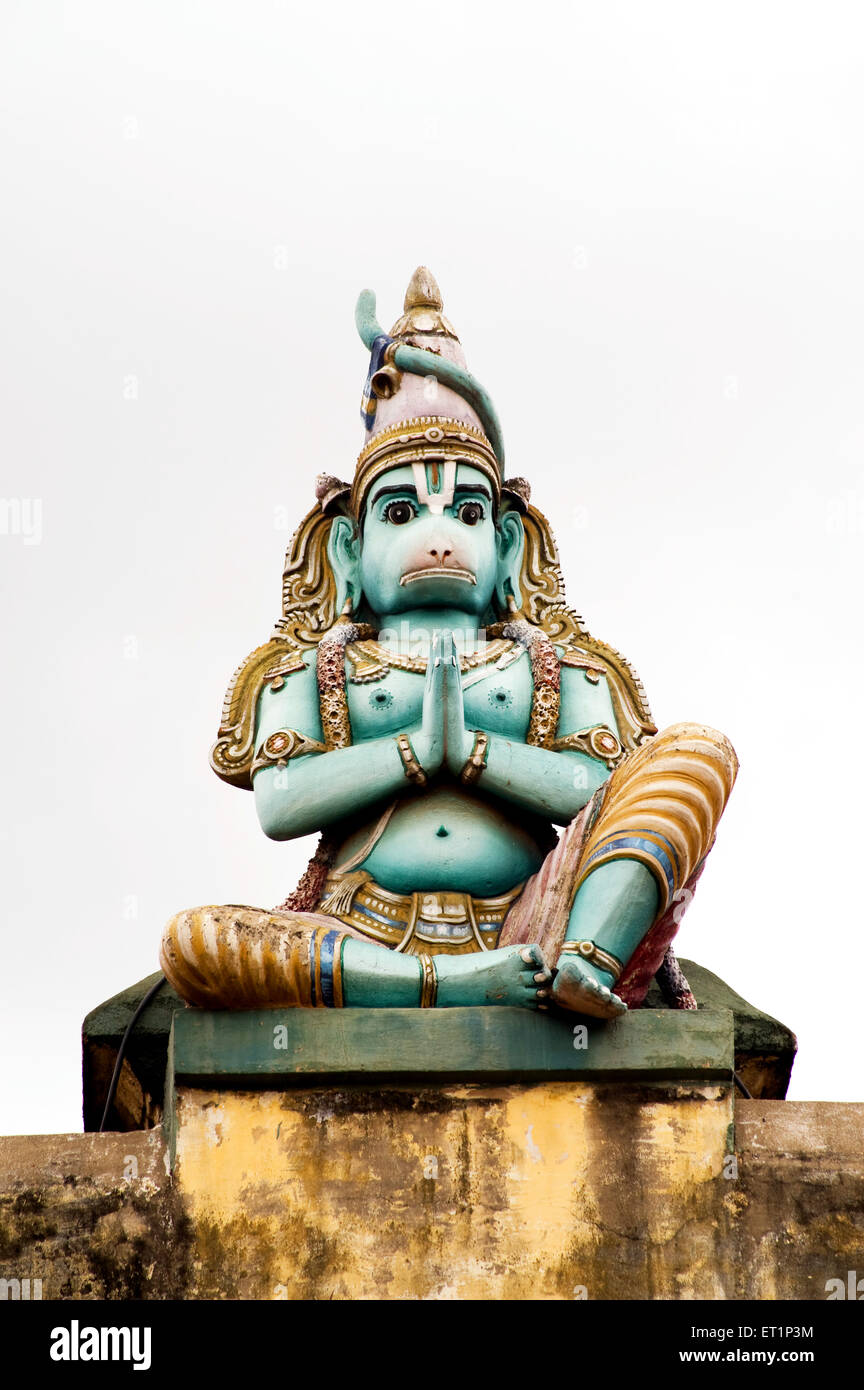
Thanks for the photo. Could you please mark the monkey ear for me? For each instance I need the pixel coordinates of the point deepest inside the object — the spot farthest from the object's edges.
(343, 552)
(510, 539)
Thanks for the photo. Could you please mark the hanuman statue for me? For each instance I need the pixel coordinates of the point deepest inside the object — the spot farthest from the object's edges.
(430, 704)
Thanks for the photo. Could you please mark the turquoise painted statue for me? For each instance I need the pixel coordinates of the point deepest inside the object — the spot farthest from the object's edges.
(432, 707)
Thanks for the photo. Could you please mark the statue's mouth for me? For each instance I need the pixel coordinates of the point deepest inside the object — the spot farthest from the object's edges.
(439, 572)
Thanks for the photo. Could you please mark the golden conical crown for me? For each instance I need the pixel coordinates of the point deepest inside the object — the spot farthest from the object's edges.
(423, 308)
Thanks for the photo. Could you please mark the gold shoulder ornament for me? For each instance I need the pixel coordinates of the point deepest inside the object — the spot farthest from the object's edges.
(544, 604)
(598, 742)
(308, 610)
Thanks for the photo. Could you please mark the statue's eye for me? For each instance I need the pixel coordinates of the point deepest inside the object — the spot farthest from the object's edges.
(471, 513)
(397, 513)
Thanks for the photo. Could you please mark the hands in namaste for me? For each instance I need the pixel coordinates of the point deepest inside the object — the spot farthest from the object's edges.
(442, 739)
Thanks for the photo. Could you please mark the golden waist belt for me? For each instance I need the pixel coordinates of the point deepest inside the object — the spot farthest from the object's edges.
(415, 923)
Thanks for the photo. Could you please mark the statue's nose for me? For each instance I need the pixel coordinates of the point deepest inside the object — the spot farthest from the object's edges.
(439, 554)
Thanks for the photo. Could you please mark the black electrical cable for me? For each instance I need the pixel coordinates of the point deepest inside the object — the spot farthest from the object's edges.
(122, 1048)
(741, 1087)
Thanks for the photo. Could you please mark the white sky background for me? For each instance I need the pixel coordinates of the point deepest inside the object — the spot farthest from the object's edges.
(646, 221)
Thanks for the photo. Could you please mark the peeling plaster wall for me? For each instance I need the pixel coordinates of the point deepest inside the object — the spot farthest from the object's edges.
(545, 1191)
(93, 1216)
(797, 1210)
(462, 1191)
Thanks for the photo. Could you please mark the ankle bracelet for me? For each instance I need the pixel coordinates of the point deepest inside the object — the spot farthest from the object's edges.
(595, 955)
(428, 982)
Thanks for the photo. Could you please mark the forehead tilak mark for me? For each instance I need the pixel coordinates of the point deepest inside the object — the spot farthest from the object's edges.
(435, 501)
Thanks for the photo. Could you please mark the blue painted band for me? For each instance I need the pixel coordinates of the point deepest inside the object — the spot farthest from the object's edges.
(648, 831)
(313, 991)
(376, 917)
(370, 400)
(327, 969)
(625, 842)
(328, 945)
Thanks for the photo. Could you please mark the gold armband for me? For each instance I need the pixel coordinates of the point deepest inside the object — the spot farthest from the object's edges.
(594, 955)
(598, 742)
(428, 982)
(410, 765)
(278, 748)
(477, 758)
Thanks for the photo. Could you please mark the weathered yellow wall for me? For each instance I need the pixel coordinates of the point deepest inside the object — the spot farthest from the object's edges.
(533, 1191)
(471, 1192)
(92, 1216)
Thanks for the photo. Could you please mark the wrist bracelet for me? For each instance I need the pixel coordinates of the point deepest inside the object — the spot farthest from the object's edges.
(410, 766)
(428, 982)
(595, 955)
(477, 758)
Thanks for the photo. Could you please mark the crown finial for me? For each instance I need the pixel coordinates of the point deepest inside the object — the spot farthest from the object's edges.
(423, 291)
(423, 308)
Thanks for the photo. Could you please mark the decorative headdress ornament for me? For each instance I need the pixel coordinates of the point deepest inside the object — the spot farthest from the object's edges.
(420, 403)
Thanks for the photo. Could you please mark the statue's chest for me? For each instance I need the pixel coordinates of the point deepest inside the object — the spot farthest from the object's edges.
(496, 700)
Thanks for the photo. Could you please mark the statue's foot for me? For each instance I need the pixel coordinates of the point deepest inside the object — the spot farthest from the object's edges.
(582, 988)
(511, 975)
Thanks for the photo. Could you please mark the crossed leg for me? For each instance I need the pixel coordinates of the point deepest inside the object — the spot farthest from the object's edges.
(246, 958)
(608, 901)
(605, 906)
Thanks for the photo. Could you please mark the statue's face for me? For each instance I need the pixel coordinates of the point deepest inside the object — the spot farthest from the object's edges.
(429, 540)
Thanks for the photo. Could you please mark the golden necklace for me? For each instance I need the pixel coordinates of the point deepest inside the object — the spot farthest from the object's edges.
(370, 661)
